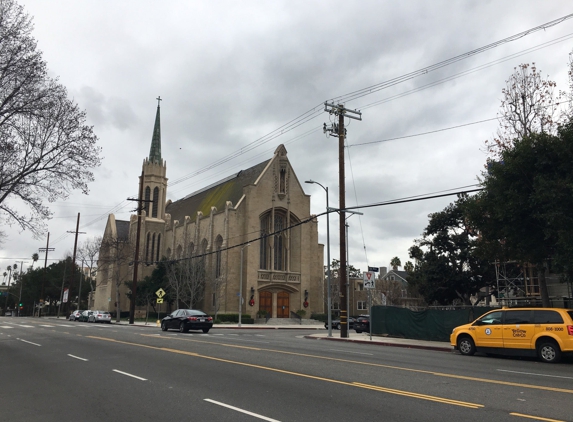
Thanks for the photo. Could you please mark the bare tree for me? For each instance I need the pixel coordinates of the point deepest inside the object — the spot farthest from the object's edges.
(88, 253)
(115, 256)
(46, 148)
(187, 281)
(529, 105)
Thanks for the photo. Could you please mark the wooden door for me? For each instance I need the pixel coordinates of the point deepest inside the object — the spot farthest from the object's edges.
(283, 305)
(266, 302)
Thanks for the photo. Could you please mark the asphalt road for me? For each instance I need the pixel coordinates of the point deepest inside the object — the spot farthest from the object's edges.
(56, 370)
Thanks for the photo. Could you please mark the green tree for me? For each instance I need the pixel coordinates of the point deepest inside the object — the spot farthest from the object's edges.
(448, 267)
(524, 211)
(395, 263)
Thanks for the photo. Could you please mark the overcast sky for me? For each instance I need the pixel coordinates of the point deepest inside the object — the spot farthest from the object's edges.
(231, 72)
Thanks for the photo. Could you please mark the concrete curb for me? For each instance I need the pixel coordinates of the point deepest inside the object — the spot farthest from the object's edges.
(444, 348)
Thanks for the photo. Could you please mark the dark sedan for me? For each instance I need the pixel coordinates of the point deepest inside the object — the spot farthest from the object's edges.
(187, 319)
(336, 323)
(362, 323)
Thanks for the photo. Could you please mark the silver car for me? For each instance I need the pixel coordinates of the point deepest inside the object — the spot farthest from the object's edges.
(100, 316)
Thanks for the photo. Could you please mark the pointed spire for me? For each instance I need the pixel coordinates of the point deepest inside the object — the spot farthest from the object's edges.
(155, 151)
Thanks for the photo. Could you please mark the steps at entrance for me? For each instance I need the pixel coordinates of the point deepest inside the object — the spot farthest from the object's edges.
(288, 321)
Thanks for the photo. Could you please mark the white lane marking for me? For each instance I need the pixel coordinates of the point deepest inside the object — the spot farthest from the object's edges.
(60, 325)
(538, 375)
(25, 341)
(129, 375)
(6, 326)
(26, 326)
(356, 353)
(232, 334)
(76, 357)
(251, 341)
(260, 335)
(256, 415)
(48, 326)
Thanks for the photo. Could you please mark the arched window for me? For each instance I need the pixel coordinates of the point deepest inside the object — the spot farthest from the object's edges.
(264, 242)
(179, 252)
(279, 244)
(147, 199)
(148, 253)
(158, 247)
(218, 246)
(155, 202)
(191, 250)
(204, 245)
(153, 247)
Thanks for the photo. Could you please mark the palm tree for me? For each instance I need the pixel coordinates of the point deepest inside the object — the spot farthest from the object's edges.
(35, 258)
(395, 263)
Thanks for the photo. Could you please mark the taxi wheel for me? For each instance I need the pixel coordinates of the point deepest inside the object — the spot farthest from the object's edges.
(163, 326)
(466, 346)
(549, 352)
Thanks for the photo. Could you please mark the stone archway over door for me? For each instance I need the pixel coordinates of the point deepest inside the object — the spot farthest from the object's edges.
(283, 305)
(266, 302)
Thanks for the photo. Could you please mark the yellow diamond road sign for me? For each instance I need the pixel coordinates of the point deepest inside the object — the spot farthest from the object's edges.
(160, 293)
(159, 300)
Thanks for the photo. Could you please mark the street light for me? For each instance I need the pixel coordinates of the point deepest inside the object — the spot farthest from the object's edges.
(241, 284)
(328, 300)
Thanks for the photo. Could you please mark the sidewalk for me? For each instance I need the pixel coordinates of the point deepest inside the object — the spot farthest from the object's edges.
(322, 334)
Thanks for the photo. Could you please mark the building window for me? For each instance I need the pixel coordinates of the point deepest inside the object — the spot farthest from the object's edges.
(191, 250)
(147, 199)
(158, 247)
(360, 286)
(204, 245)
(147, 248)
(264, 242)
(282, 183)
(214, 300)
(281, 242)
(361, 305)
(153, 247)
(155, 202)
(218, 246)
(279, 246)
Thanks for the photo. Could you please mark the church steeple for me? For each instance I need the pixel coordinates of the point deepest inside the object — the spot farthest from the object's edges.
(155, 151)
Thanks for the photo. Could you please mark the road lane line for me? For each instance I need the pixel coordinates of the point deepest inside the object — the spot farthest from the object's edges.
(380, 365)
(6, 326)
(537, 418)
(532, 373)
(47, 326)
(298, 374)
(130, 375)
(25, 341)
(76, 357)
(25, 326)
(356, 353)
(256, 415)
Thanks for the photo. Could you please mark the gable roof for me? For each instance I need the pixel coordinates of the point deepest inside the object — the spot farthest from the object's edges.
(215, 195)
(402, 274)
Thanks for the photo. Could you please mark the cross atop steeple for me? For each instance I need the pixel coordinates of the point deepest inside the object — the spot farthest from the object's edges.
(155, 151)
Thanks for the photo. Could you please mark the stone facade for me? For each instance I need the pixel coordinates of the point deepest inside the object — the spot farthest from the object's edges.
(260, 214)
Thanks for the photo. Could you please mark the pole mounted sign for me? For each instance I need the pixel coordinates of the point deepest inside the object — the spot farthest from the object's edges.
(374, 269)
(369, 279)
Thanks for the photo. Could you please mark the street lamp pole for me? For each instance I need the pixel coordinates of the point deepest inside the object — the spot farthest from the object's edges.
(328, 294)
(241, 285)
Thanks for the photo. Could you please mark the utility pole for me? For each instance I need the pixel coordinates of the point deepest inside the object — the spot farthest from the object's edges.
(340, 111)
(74, 257)
(136, 258)
(46, 249)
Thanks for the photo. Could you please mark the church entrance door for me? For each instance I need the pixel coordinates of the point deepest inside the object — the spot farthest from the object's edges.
(283, 305)
(266, 302)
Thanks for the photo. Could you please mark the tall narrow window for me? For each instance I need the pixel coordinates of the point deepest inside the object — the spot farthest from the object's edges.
(264, 245)
(148, 248)
(278, 244)
(218, 246)
(204, 245)
(282, 184)
(153, 247)
(191, 250)
(158, 247)
(155, 202)
(147, 198)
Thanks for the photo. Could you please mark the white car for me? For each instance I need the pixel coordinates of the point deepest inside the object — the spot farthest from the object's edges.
(74, 316)
(100, 316)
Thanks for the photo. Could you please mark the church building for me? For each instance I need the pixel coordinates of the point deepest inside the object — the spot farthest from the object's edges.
(256, 221)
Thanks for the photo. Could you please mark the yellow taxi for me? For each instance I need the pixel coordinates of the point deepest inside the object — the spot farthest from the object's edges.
(543, 332)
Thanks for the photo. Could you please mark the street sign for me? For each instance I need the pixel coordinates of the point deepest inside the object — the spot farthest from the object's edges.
(160, 293)
(369, 279)
(159, 300)
(374, 269)
(65, 300)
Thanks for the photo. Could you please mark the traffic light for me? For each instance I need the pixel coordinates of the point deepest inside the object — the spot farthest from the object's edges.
(21, 305)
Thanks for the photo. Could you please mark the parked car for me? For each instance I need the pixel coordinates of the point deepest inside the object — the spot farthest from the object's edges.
(336, 323)
(100, 316)
(543, 332)
(187, 319)
(84, 316)
(362, 324)
(74, 316)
